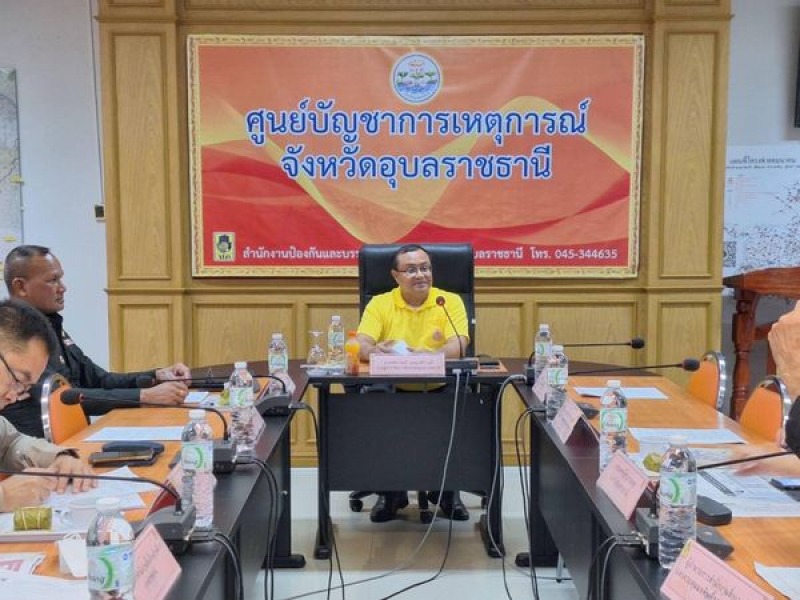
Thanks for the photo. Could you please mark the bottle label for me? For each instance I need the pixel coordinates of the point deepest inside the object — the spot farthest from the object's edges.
(542, 349)
(613, 420)
(277, 362)
(110, 567)
(241, 396)
(557, 376)
(197, 456)
(678, 489)
(336, 339)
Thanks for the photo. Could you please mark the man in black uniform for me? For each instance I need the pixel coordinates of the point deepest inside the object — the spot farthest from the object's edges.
(34, 275)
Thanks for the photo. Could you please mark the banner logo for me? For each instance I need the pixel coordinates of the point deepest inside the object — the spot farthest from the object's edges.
(416, 78)
(224, 246)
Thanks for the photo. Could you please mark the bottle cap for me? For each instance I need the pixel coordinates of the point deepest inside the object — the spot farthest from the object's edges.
(108, 503)
(277, 336)
(544, 327)
(352, 333)
(240, 364)
(613, 383)
(336, 318)
(196, 414)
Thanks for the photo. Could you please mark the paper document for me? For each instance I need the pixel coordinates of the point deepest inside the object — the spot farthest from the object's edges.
(693, 436)
(784, 579)
(135, 434)
(746, 495)
(127, 491)
(35, 587)
(631, 393)
(195, 397)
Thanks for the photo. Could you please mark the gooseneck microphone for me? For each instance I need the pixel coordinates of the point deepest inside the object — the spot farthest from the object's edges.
(687, 364)
(146, 381)
(224, 449)
(636, 343)
(441, 302)
(173, 523)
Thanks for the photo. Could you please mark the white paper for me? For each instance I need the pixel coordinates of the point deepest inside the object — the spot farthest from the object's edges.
(135, 434)
(693, 436)
(746, 495)
(127, 491)
(36, 587)
(195, 397)
(784, 579)
(631, 393)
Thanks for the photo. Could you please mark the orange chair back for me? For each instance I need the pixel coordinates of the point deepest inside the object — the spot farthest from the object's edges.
(764, 411)
(60, 421)
(707, 384)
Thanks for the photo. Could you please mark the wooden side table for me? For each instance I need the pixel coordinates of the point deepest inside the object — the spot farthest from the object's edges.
(749, 287)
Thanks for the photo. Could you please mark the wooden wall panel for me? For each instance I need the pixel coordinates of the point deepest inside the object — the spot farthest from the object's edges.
(501, 328)
(147, 330)
(231, 329)
(687, 175)
(142, 166)
(686, 328)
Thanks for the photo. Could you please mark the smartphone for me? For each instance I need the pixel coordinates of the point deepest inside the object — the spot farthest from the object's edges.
(786, 483)
(107, 459)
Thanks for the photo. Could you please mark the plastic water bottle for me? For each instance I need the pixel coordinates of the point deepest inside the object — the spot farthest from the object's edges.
(109, 550)
(557, 375)
(677, 496)
(542, 347)
(241, 395)
(277, 361)
(197, 461)
(336, 343)
(613, 422)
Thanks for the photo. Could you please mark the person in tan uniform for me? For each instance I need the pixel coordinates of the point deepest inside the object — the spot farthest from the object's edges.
(26, 341)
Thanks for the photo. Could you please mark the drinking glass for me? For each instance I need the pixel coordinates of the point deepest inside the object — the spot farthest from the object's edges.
(316, 354)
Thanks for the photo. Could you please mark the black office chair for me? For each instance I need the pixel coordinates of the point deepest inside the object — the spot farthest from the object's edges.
(453, 270)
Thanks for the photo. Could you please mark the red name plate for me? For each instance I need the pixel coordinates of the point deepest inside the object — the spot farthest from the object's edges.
(699, 575)
(623, 482)
(156, 568)
(406, 364)
(565, 420)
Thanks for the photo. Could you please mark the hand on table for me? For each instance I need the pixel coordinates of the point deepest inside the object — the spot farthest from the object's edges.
(20, 490)
(176, 371)
(169, 392)
(68, 465)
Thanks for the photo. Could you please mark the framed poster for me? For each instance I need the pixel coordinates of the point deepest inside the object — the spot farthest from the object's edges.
(305, 148)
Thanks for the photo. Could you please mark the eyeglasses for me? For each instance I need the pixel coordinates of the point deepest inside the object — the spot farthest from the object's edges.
(414, 270)
(19, 387)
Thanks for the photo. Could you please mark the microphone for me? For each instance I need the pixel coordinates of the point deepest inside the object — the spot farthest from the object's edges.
(224, 449)
(687, 364)
(214, 383)
(440, 301)
(463, 364)
(636, 343)
(174, 524)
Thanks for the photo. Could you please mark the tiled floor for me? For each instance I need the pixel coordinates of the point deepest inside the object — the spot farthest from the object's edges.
(387, 553)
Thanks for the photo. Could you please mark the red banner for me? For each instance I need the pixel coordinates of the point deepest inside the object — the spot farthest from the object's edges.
(305, 148)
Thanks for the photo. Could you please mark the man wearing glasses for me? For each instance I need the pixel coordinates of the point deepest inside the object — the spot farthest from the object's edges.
(34, 275)
(26, 341)
(408, 319)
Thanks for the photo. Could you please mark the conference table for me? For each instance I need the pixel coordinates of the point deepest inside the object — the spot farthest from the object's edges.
(567, 508)
(242, 506)
(398, 440)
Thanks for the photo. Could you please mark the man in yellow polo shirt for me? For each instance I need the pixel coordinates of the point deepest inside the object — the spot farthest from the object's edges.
(408, 319)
